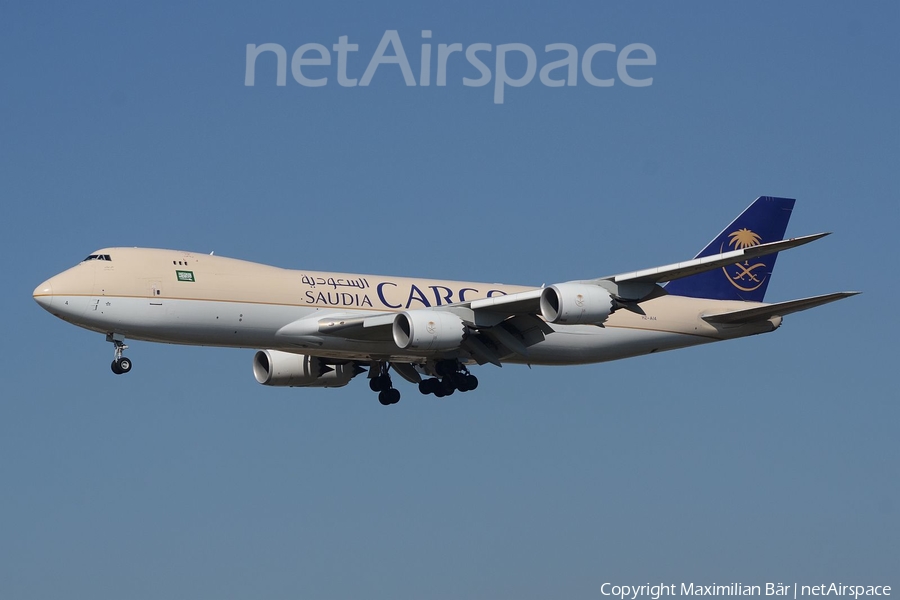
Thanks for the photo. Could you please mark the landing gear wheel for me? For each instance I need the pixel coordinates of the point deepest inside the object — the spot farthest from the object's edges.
(380, 383)
(389, 396)
(471, 382)
(121, 365)
(460, 382)
(429, 386)
(447, 386)
(454, 377)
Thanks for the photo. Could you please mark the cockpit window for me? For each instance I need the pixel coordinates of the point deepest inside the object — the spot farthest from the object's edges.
(97, 257)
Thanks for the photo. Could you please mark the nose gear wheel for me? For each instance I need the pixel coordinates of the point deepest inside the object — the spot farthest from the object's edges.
(120, 364)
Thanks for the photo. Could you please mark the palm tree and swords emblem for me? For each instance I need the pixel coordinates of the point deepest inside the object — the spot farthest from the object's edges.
(742, 276)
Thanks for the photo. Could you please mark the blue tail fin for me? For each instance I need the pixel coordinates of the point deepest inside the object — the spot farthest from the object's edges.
(763, 221)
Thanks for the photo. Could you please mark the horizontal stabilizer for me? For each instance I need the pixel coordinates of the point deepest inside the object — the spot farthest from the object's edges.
(780, 309)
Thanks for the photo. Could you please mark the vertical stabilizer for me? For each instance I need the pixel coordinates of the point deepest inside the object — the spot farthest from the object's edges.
(763, 221)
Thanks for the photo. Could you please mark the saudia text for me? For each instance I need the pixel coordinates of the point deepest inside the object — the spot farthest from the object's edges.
(358, 293)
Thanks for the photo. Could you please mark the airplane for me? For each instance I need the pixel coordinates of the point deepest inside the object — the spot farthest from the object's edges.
(322, 329)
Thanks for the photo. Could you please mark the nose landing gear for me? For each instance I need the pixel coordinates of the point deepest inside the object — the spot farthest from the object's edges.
(120, 364)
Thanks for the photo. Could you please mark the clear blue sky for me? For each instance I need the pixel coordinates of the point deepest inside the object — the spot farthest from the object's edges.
(774, 458)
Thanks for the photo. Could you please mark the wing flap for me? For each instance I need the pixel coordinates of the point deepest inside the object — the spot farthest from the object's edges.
(780, 309)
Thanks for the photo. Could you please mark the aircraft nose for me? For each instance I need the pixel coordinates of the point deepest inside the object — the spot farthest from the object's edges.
(43, 294)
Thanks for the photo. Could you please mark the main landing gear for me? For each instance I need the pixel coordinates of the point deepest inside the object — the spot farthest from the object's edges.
(381, 383)
(120, 364)
(449, 376)
(454, 376)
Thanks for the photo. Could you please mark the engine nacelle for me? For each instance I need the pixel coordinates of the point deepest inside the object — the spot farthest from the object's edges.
(429, 330)
(276, 368)
(574, 303)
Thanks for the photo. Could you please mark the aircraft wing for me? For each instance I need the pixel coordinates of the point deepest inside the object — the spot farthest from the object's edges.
(708, 263)
(512, 304)
(780, 309)
(513, 323)
(510, 321)
(483, 312)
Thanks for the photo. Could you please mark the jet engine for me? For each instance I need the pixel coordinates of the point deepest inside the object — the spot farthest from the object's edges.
(575, 303)
(276, 368)
(429, 330)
